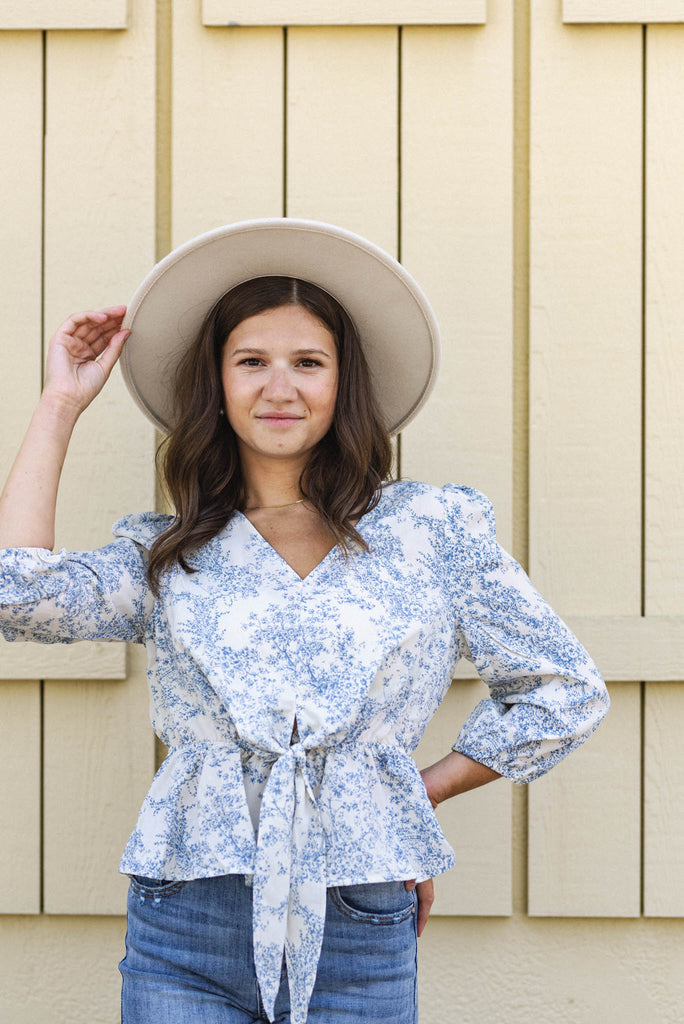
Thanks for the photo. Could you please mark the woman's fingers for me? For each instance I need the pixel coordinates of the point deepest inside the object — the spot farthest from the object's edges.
(82, 354)
(99, 343)
(80, 324)
(88, 325)
(426, 897)
(112, 352)
(91, 330)
(76, 319)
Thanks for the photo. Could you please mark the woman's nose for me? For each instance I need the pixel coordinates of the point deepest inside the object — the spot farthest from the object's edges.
(279, 384)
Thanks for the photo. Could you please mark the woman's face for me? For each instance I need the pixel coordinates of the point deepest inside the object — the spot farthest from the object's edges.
(279, 375)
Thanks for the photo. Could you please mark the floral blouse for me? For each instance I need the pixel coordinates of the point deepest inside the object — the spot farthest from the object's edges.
(359, 654)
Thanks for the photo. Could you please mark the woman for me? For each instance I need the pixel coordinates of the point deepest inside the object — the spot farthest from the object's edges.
(302, 618)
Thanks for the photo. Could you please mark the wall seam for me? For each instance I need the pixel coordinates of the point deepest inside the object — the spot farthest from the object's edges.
(400, 39)
(520, 383)
(642, 837)
(41, 754)
(163, 128)
(521, 278)
(285, 117)
(163, 193)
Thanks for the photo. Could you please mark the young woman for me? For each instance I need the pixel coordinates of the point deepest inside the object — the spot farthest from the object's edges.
(303, 617)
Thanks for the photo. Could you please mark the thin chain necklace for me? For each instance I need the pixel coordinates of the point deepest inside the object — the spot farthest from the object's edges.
(288, 504)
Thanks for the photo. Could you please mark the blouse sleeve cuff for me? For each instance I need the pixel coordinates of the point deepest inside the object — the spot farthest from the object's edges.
(523, 742)
(490, 760)
(25, 574)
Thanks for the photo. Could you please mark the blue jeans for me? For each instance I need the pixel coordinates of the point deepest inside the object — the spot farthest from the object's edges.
(189, 956)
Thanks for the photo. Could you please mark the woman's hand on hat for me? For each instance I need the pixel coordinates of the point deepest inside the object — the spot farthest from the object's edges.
(81, 356)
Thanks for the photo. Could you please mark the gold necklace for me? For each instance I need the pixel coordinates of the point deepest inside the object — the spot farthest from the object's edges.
(255, 508)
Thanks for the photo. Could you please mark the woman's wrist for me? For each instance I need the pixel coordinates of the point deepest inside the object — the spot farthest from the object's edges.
(28, 500)
(453, 774)
(57, 411)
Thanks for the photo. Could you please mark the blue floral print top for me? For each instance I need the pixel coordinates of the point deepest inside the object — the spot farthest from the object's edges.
(359, 654)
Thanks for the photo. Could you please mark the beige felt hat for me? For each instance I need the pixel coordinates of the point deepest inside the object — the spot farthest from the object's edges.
(395, 321)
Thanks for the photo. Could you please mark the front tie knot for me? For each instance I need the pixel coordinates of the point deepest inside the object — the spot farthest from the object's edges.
(289, 884)
(298, 752)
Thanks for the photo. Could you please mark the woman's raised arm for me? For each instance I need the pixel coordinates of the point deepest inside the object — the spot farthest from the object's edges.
(81, 356)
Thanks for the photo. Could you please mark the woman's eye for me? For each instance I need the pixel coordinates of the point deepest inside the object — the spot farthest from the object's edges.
(309, 362)
(250, 361)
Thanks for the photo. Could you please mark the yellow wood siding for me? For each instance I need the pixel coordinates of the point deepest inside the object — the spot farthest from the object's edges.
(396, 121)
(342, 129)
(63, 14)
(456, 120)
(664, 480)
(343, 12)
(622, 11)
(21, 120)
(99, 241)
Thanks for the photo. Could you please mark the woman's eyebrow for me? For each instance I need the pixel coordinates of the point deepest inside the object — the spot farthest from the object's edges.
(297, 352)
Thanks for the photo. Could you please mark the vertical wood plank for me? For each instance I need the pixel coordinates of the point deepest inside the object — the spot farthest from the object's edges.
(664, 317)
(585, 422)
(227, 137)
(20, 798)
(342, 129)
(664, 505)
(663, 800)
(21, 121)
(477, 824)
(585, 320)
(99, 761)
(456, 218)
(585, 835)
(99, 242)
(456, 201)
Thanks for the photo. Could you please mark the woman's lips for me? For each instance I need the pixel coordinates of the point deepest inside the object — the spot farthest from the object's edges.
(279, 419)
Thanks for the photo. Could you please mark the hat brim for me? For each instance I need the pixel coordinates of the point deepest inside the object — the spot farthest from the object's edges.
(397, 327)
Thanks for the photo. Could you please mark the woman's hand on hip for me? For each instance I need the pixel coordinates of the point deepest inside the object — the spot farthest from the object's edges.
(81, 356)
(425, 891)
(454, 774)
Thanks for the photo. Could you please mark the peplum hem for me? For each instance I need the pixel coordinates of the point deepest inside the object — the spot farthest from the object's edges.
(377, 822)
(194, 822)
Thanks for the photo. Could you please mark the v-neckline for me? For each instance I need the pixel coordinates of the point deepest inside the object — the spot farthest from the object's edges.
(293, 571)
(333, 550)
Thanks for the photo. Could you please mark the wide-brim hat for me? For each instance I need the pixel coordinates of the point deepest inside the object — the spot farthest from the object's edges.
(396, 325)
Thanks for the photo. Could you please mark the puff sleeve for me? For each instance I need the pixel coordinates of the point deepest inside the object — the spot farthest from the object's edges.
(546, 694)
(87, 595)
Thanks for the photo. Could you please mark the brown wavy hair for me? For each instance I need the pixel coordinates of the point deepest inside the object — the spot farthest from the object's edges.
(199, 462)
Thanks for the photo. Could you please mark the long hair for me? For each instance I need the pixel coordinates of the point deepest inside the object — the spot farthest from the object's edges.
(199, 462)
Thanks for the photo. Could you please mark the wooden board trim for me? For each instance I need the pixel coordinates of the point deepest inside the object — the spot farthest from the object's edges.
(351, 12)
(626, 647)
(622, 12)
(63, 14)
(88, 660)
